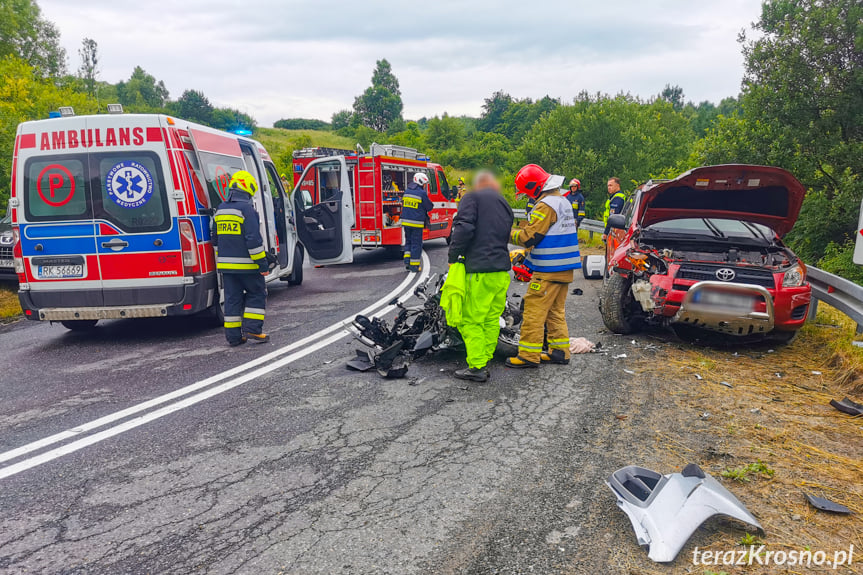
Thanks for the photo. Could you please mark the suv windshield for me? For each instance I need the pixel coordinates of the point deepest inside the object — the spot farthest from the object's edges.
(712, 227)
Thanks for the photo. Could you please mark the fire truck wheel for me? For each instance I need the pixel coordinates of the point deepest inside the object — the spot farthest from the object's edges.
(80, 324)
(449, 238)
(296, 277)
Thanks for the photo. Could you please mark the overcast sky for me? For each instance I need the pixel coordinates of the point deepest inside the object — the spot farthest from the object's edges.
(286, 58)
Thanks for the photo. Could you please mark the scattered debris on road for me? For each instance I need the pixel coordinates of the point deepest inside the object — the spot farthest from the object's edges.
(665, 510)
(848, 406)
(581, 345)
(826, 505)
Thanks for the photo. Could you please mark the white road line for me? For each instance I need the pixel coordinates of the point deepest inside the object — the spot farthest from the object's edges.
(403, 291)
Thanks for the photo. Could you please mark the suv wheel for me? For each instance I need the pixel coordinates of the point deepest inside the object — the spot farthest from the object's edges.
(617, 306)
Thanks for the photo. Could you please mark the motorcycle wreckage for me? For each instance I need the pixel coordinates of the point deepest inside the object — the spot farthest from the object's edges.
(420, 329)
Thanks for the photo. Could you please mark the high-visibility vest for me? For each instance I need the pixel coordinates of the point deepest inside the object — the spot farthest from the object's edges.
(607, 212)
(558, 250)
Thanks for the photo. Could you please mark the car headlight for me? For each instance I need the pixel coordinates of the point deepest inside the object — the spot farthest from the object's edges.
(794, 277)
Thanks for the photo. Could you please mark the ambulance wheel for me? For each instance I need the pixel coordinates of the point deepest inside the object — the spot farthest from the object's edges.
(80, 324)
(296, 277)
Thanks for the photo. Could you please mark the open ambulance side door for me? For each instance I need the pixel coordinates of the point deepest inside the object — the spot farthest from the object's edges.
(324, 211)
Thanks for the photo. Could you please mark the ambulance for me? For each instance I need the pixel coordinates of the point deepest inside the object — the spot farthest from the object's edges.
(111, 215)
(378, 180)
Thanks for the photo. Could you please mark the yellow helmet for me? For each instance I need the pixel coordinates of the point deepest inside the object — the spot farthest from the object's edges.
(244, 181)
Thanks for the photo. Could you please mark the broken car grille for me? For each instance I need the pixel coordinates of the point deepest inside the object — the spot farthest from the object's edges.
(699, 273)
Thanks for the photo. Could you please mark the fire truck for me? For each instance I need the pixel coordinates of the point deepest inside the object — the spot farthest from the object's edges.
(377, 180)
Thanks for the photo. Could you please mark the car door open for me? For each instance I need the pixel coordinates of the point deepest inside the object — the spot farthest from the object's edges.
(324, 208)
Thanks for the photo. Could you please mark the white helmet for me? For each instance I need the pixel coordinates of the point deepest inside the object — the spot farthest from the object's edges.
(421, 179)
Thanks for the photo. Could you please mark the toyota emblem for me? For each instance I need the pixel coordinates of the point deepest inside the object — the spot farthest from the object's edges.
(725, 274)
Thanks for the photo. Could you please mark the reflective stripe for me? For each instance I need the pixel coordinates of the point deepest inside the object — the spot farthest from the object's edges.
(259, 316)
(530, 346)
(227, 260)
(545, 251)
(413, 224)
(558, 343)
(222, 266)
(232, 318)
(535, 214)
(607, 211)
(259, 256)
(256, 250)
(515, 236)
(259, 310)
(229, 218)
(232, 324)
(573, 263)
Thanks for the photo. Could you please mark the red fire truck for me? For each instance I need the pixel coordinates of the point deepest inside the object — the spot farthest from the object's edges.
(377, 181)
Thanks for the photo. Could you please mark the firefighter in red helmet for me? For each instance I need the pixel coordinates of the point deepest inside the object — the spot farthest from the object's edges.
(551, 236)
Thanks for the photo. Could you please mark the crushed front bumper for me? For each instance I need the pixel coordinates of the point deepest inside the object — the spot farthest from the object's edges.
(733, 309)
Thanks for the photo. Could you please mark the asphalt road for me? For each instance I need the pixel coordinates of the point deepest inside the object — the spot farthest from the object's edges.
(307, 468)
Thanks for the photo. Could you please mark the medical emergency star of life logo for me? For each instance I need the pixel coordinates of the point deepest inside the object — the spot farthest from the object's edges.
(129, 184)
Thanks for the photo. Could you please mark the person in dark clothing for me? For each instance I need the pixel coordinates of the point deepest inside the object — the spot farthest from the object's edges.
(576, 198)
(242, 262)
(416, 206)
(480, 238)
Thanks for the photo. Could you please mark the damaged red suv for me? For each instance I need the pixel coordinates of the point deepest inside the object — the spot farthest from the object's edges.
(704, 252)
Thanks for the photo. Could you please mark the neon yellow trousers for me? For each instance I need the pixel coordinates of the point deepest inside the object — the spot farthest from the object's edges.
(485, 300)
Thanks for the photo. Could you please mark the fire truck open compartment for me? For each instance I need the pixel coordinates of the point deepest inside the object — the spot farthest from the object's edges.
(378, 181)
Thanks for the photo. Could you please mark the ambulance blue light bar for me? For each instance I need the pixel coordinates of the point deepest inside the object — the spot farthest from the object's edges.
(243, 132)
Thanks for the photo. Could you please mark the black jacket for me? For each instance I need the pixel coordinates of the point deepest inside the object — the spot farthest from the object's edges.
(236, 236)
(480, 232)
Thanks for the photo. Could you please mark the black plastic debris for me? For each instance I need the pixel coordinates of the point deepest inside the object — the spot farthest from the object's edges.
(577, 291)
(848, 406)
(362, 362)
(826, 505)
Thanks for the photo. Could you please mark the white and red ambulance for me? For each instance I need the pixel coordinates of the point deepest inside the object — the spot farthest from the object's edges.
(111, 215)
(378, 179)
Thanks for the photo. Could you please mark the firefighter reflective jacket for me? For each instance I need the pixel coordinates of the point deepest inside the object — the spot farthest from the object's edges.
(236, 236)
(416, 206)
(557, 251)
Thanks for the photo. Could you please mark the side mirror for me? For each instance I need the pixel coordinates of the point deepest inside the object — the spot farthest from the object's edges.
(617, 221)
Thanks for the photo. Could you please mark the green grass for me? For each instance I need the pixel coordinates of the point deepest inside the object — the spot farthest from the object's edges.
(273, 138)
(742, 473)
(9, 306)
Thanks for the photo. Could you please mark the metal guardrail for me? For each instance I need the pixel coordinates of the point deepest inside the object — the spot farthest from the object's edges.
(844, 295)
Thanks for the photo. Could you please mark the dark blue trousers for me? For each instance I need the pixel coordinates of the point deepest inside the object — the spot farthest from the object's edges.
(413, 247)
(245, 304)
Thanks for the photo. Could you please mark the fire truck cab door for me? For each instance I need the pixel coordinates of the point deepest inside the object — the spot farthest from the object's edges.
(324, 210)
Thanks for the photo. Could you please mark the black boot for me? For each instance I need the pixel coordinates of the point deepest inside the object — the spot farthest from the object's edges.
(473, 374)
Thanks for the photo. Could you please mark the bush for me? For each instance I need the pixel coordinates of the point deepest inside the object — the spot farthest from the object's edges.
(838, 259)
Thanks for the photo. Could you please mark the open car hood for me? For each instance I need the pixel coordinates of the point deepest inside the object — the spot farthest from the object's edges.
(761, 194)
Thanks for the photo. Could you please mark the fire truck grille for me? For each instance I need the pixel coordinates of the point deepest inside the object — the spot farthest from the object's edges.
(700, 273)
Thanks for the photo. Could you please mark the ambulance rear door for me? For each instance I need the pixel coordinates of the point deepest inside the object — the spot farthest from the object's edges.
(55, 215)
(324, 211)
(135, 209)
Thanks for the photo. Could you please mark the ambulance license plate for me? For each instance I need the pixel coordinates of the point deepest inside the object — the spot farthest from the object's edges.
(60, 272)
(7, 263)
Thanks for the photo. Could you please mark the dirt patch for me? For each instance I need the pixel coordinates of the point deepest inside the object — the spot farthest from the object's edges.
(10, 308)
(758, 419)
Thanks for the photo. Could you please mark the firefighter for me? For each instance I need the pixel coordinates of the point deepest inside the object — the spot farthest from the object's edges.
(552, 238)
(242, 262)
(614, 204)
(576, 198)
(416, 206)
(462, 190)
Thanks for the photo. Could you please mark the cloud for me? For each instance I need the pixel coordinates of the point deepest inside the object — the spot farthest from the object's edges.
(274, 59)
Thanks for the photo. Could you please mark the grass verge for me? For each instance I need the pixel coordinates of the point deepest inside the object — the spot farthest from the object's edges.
(758, 419)
(9, 306)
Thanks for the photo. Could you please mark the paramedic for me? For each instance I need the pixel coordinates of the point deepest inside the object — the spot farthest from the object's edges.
(552, 238)
(480, 234)
(614, 204)
(416, 206)
(242, 261)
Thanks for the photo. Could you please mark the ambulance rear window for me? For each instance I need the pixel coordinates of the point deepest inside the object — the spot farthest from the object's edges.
(55, 188)
(132, 191)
